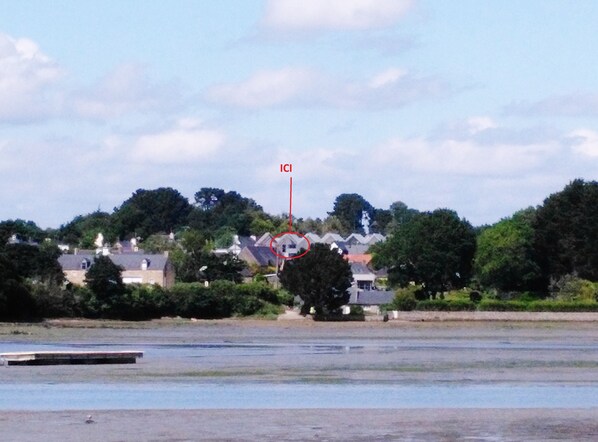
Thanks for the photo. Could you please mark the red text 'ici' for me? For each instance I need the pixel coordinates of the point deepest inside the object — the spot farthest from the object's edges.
(286, 167)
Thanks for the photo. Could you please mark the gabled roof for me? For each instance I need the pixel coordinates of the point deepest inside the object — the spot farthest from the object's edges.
(358, 268)
(263, 256)
(314, 238)
(374, 238)
(357, 249)
(264, 240)
(329, 238)
(371, 297)
(129, 261)
(340, 245)
(356, 238)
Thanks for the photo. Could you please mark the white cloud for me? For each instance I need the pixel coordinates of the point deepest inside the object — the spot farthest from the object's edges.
(480, 124)
(300, 87)
(300, 15)
(125, 89)
(265, 88)
(585, 142)
(462, 157)
(27, 77)
(387, 77)
(188, 142)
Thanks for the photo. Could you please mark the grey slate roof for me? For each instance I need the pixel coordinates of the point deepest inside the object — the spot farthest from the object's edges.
(129, 261)
(358, 268)
(357, 249)
(371, 297)
(263, 255)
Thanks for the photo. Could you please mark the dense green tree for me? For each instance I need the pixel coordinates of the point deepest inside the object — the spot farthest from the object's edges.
(321, 279)
(566, 232)
(23, 230)
(349, 209)
(194, 261)
(400, 214)
(215, 208)
(38, 263)
(505, 257)
(104, 279)
(382, 218)
(152, 211)
(83, 229)
(434, 249)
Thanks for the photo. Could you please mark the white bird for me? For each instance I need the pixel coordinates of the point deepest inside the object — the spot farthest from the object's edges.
(89, 420)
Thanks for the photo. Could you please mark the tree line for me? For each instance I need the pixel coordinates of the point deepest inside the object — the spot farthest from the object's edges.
(549, 250)
(552, 248)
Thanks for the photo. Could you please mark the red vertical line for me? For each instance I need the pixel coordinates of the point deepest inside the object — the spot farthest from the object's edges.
(291, 204)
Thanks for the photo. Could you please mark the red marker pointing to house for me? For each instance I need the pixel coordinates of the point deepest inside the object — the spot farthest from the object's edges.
(280, 238)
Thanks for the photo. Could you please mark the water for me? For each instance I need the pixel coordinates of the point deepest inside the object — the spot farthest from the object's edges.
(95, 396)
(50, 388)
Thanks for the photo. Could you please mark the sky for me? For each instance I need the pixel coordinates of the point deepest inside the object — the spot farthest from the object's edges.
(484, 107)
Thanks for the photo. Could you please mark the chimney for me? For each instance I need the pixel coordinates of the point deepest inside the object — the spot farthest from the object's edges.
(166, 253)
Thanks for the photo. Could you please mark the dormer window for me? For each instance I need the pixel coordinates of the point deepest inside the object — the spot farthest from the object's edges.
(145, 264)
(85, 264)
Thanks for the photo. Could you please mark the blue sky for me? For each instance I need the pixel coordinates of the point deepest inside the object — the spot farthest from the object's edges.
(485, 107)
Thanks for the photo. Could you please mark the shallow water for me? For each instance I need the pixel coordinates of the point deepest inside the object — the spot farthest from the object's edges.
(66, 396)
(209, 368)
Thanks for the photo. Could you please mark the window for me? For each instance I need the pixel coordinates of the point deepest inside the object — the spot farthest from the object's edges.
(145, 264)
(85, 264)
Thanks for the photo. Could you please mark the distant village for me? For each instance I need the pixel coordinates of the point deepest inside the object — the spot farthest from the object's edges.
(139, 267)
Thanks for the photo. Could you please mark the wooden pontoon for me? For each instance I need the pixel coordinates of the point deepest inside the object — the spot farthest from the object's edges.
(70, 357)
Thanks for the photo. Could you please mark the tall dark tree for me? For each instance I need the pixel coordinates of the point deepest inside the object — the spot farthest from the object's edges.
(349, 208)
(104, 279)
(152, 211)
(38, 263)
(321, 279)
(16, 301)
(215, 209)
(434, 249)
(566, 231)
(505, 256)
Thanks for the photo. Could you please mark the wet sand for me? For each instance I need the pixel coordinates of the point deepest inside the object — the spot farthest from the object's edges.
(397, 353)
(303, 425)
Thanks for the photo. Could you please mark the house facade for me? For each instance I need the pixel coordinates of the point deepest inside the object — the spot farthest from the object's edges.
(138, 268)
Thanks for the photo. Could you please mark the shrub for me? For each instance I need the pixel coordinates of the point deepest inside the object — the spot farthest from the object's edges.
(493, 305)
(562, 306)
(475, 296)
(142, 302)
(194, 300)
(573, 288)
(404, 300)
(442, 305)
(53, 301)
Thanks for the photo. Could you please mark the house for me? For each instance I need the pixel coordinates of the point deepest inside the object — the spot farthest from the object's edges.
(363, 278)
(138, 268)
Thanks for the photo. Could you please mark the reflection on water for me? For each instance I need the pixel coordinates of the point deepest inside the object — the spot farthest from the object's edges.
(273, 396)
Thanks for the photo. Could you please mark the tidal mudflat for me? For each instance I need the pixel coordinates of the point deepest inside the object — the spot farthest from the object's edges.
(280, 380)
